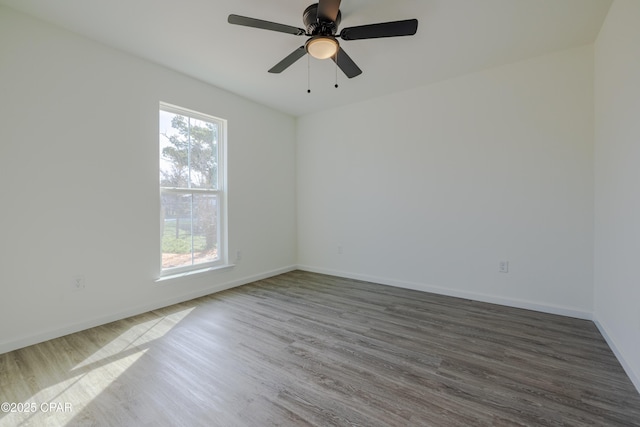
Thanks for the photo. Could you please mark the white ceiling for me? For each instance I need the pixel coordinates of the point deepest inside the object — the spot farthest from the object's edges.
(454, 37)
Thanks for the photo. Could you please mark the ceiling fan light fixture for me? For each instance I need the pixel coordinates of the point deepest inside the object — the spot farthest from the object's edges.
(322, 47)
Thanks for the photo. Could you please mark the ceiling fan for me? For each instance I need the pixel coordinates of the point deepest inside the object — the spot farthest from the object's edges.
(321, 21)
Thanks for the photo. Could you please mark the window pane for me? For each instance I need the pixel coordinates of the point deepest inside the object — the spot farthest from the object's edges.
(205, 227)
(204, 154)
(189, 229)
(188, 152)
(174, 150)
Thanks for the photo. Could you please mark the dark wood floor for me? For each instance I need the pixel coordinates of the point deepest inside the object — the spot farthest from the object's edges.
(308, 349)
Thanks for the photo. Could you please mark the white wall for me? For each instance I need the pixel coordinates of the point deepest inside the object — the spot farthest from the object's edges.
(431, 188)
(617, 189)
(79, 174)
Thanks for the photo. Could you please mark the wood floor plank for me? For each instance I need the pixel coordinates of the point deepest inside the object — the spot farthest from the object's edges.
(304, 349)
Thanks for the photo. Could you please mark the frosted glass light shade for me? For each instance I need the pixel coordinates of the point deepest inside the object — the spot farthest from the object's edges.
(322, 47)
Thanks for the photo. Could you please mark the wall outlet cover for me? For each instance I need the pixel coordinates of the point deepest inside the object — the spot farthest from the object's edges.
(503, 267)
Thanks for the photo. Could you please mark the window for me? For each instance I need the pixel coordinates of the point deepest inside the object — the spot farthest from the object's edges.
(192, 187)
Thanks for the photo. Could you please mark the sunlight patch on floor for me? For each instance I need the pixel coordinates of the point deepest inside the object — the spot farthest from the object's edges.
(72, 391)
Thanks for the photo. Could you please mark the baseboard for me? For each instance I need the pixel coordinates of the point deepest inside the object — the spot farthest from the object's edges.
(492, 299)
(8, 346)
(633, 376)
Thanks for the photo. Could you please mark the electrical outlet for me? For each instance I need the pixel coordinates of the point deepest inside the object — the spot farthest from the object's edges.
(503, 267)
(77, 283)
(339, 249)
(238, 256)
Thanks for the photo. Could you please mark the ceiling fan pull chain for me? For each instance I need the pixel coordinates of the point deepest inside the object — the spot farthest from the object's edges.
(308, 73)
(336, 61)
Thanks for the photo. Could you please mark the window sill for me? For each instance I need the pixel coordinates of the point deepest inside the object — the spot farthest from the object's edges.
(170, 277)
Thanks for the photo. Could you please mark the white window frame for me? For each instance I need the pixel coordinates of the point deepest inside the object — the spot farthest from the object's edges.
(220, 193)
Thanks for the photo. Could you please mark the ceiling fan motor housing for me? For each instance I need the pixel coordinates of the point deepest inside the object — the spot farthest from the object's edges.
(319, 27)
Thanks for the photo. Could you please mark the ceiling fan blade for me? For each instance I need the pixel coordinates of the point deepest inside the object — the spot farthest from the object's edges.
(407, 27)
(265, 25)
(289, 60)
(328, 10)
(346, 64)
